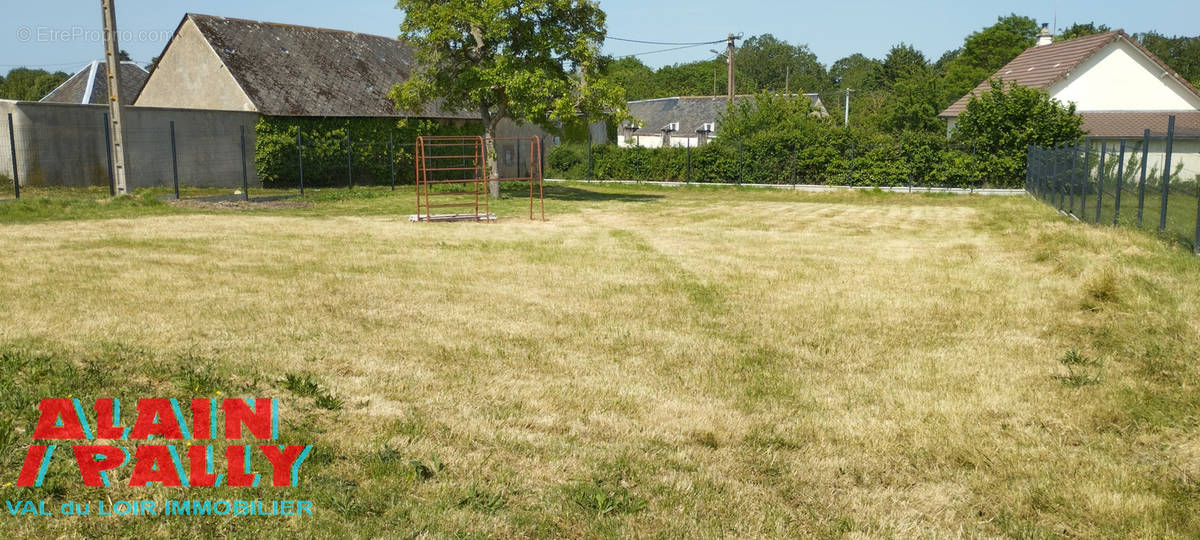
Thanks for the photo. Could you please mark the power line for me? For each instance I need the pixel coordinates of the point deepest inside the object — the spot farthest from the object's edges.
(665, 50)
(662, 42)
(85, 62)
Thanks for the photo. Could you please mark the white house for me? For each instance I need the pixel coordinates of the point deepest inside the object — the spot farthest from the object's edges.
(1120, 88)
(683, 121)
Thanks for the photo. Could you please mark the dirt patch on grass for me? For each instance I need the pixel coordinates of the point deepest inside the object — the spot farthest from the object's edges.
(239, 205)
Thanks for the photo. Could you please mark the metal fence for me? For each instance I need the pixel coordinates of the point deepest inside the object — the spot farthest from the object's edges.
(345, 159)
(172, 149)
(1145, 182)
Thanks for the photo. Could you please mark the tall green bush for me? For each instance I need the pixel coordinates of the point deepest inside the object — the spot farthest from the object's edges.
(276, 157)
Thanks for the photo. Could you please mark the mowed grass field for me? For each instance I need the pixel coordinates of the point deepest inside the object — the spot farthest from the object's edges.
(650, 362)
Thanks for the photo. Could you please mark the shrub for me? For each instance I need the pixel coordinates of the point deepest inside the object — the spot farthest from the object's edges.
(276, 156)
(828, 156)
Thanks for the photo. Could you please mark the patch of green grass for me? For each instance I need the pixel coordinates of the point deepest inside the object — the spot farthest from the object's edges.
(1081, 370)
(33, 209)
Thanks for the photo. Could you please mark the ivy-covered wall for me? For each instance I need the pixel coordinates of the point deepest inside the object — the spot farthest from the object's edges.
(277, 157)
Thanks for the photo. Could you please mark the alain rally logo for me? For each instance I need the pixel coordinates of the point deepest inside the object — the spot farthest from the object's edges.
(171, 464)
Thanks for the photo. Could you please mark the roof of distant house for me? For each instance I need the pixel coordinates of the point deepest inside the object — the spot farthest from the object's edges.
(1041, 67)
(89, 86)
(690, 112)
(289, 70)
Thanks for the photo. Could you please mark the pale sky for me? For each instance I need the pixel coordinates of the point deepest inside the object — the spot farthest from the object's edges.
(64, 35)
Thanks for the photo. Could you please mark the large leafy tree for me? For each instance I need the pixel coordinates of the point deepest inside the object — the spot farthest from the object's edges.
(902, 61)
(693, 79)
(1181, 53)
(634, 76)
(774, 65)
(1078, 30)
(986, 51)
(1000, 125)
(855, 71)
(525, 60)
(24, 84)
(767, 113)
(913, 104)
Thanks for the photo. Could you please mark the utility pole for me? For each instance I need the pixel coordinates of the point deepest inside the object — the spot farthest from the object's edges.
(730, 46)
(117, 125)
(847, 121)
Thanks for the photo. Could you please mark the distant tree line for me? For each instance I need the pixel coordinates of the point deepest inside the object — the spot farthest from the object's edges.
(24, 84)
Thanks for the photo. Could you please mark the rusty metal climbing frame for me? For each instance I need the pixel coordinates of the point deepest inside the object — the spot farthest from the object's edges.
(452, 173)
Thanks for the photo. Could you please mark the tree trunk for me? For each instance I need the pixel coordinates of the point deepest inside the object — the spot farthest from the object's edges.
(489, 149)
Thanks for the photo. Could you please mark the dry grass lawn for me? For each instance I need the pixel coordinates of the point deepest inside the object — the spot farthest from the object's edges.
(650, 362)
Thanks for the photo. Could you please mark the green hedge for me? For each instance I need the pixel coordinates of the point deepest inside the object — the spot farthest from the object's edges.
(277, 159)
(831, 157)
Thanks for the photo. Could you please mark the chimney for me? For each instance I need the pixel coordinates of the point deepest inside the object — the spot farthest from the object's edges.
(1045, 37)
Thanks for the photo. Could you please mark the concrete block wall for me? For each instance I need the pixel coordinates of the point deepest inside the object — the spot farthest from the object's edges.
(64, 145)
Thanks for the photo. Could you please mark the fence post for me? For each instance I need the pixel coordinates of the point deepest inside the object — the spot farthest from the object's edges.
(392, 158)
(1036, 160)
(245, 179)
(349, 160)
(174, 162)
(112, 185)
(1073, 177)
(300, 152)
(1120, 184)
(1079, 178)
(589, 152)
(1058, 191)
(1043, 178)
(1166, 184)
(1142, 183)
(1100, 180)
(1087, 178)
(12, 146)
(1196, 239)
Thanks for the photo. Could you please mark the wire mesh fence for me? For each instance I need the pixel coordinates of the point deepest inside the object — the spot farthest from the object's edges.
(1152, 182)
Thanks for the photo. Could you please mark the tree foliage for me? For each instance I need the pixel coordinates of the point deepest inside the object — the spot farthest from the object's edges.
(526, 60)
(1003, 122)
(986, 51)
(1079, 30)
(1180, 52)
(902, 61)
(770, 64)
(24, 84)
(855, 71)
(767, 113)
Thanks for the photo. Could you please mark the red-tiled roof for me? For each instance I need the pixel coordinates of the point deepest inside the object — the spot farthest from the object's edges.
(1041, 67)
(1132, 124)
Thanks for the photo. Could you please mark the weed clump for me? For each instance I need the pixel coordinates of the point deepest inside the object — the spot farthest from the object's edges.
(1081, 370)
